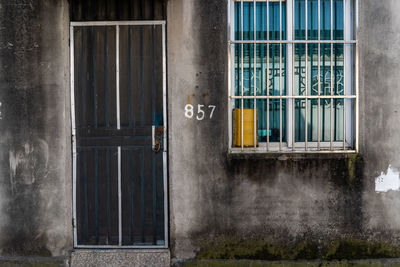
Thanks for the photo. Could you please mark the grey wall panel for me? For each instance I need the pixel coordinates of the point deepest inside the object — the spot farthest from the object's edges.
(219, 202)
(35, 153)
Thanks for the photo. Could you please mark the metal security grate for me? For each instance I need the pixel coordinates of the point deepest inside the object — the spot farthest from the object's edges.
(118, 98)
(293, 76)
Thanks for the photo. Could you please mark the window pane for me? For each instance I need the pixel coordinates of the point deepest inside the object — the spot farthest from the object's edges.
(312, 19)
(325, 19)
(312, 8)
(261, 21)
(338, 61)
(331, 59)
(338, 119)
(325, 67)
(312, 120)
(299, 114)
(270, 65)
(300, 69)
(274, 120)
(313, 69)
(338, 20)
(299, 19)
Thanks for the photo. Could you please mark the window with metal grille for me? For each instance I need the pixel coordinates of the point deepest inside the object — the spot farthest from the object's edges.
(293, 67)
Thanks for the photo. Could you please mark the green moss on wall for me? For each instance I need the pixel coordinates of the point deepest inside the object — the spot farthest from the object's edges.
(230, 248)
(358, 249)
(30, 263)
(249, 263)
(352, 162)
(347, 172)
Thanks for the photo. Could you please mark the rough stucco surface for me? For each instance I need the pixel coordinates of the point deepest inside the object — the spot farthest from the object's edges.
(35, 176)
(286, 200)
(317, 199)
(380, 111)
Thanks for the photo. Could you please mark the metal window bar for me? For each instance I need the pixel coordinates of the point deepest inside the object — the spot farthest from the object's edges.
(242, 80)
(332, 77)
(334, 97)
(293, 74)
(344, 75)
(280, 76)
(319, 76)
(230, 29)
(306, 80)
(356, 82)
(255, 126)
(117, 25)
(267, 118)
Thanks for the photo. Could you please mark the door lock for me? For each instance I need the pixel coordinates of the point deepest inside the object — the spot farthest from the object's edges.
(157, 133)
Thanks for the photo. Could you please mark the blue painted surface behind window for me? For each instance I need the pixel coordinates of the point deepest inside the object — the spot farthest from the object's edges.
(270, 54)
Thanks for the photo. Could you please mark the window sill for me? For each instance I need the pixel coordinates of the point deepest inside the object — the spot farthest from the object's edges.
(293, 156)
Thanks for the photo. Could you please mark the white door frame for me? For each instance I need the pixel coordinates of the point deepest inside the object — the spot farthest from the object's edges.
(117, 24)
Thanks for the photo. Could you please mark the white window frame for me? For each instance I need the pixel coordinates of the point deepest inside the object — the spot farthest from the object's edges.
(351, 112)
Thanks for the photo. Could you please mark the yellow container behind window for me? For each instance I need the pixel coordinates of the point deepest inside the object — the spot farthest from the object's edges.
(248, 127)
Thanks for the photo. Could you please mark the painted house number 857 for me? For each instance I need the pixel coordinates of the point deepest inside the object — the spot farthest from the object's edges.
(201, 114)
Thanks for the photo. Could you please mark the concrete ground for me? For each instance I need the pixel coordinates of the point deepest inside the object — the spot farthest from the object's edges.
(61, 261)
(248, 263)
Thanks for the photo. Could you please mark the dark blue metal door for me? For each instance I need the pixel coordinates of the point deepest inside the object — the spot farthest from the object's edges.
(119, 106)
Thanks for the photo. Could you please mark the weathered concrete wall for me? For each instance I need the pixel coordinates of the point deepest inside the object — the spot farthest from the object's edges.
(35, 164)
(272, 208)
(268, 208)
(199, 186)
(380, 113)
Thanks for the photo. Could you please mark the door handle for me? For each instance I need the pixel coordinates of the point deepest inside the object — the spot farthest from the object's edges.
(157, 133)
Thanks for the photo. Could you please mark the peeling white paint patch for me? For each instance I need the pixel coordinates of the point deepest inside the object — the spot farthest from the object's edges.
(388, 181)
(28, 162)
